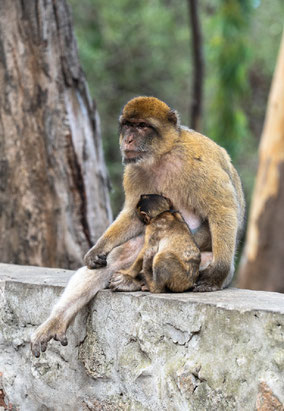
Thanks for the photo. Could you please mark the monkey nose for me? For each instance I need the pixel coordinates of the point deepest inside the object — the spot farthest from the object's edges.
(129, 140)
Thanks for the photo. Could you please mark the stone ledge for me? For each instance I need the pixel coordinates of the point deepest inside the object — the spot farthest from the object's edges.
(139, 351)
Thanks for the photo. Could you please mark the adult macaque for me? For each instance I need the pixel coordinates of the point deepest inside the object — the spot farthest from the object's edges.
(169, 258)
(160, 156)
(194, 172)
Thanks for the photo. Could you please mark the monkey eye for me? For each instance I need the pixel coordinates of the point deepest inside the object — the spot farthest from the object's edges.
(126, 123)
(142, 125)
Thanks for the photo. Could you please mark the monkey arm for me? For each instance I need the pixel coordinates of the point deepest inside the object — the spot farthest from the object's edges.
(125, 279)
(126, 226)
(219, 273)
(136, 267)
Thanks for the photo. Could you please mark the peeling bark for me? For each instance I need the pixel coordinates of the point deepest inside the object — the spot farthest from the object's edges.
(262, 264)
(53, 182)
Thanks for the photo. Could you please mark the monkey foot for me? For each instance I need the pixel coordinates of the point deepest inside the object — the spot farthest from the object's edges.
(122, 282)
(145, 287)
(51, 328)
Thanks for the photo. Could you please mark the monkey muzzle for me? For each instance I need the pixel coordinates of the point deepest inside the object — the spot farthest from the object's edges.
(131, 156)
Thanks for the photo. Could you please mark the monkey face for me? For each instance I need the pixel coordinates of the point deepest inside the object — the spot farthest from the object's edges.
(151, 205)
(136, 138)
(147, 129)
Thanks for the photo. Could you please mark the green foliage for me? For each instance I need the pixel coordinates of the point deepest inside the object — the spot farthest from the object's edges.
(130, 48)
(229, 54)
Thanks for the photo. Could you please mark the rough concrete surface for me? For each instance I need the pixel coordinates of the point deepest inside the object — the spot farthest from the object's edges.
(139, 351)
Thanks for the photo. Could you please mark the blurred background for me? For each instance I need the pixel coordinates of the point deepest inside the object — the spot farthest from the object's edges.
(146, 48)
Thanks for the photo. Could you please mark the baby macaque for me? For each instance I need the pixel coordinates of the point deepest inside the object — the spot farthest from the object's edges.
(170, 258)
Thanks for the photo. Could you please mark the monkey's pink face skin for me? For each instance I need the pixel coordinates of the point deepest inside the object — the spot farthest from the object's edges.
(136, 137)
(130, 155)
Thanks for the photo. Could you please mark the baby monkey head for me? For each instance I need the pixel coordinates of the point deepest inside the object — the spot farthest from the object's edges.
(151, 205)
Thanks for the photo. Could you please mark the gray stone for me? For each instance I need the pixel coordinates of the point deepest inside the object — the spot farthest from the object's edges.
(140, 351)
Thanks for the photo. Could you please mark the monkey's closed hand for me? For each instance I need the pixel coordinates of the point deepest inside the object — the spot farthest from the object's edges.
(94, 260)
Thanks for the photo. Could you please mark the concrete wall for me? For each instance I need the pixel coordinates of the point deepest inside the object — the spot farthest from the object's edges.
(137, 351)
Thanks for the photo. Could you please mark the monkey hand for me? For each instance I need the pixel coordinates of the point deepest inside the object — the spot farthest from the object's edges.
(95, 259)
(122, 282)
(51, 328)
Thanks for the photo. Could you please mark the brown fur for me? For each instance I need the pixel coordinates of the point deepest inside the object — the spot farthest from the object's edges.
(151, 107)
(170, 257)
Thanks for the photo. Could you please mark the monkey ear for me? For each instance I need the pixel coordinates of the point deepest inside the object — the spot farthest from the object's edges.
(173, 117)
(120, 119)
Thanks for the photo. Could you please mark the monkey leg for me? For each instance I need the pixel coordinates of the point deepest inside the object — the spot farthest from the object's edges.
(82, 287)
(124, 282)
(220, 271)
(158, 279)
(202, 237)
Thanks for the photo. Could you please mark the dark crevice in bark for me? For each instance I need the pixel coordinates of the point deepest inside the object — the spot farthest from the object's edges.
(55, 15)
(38, 20)
(79, 185)
(198, 66)
(22, 6)
(2, 54)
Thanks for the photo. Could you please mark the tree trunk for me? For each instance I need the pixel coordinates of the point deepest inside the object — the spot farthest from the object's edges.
(262, 265)
(197, 57)
(54, 200)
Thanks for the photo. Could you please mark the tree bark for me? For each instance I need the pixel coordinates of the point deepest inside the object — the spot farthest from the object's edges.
(198, 66)
(262, 264)
(54, 200)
